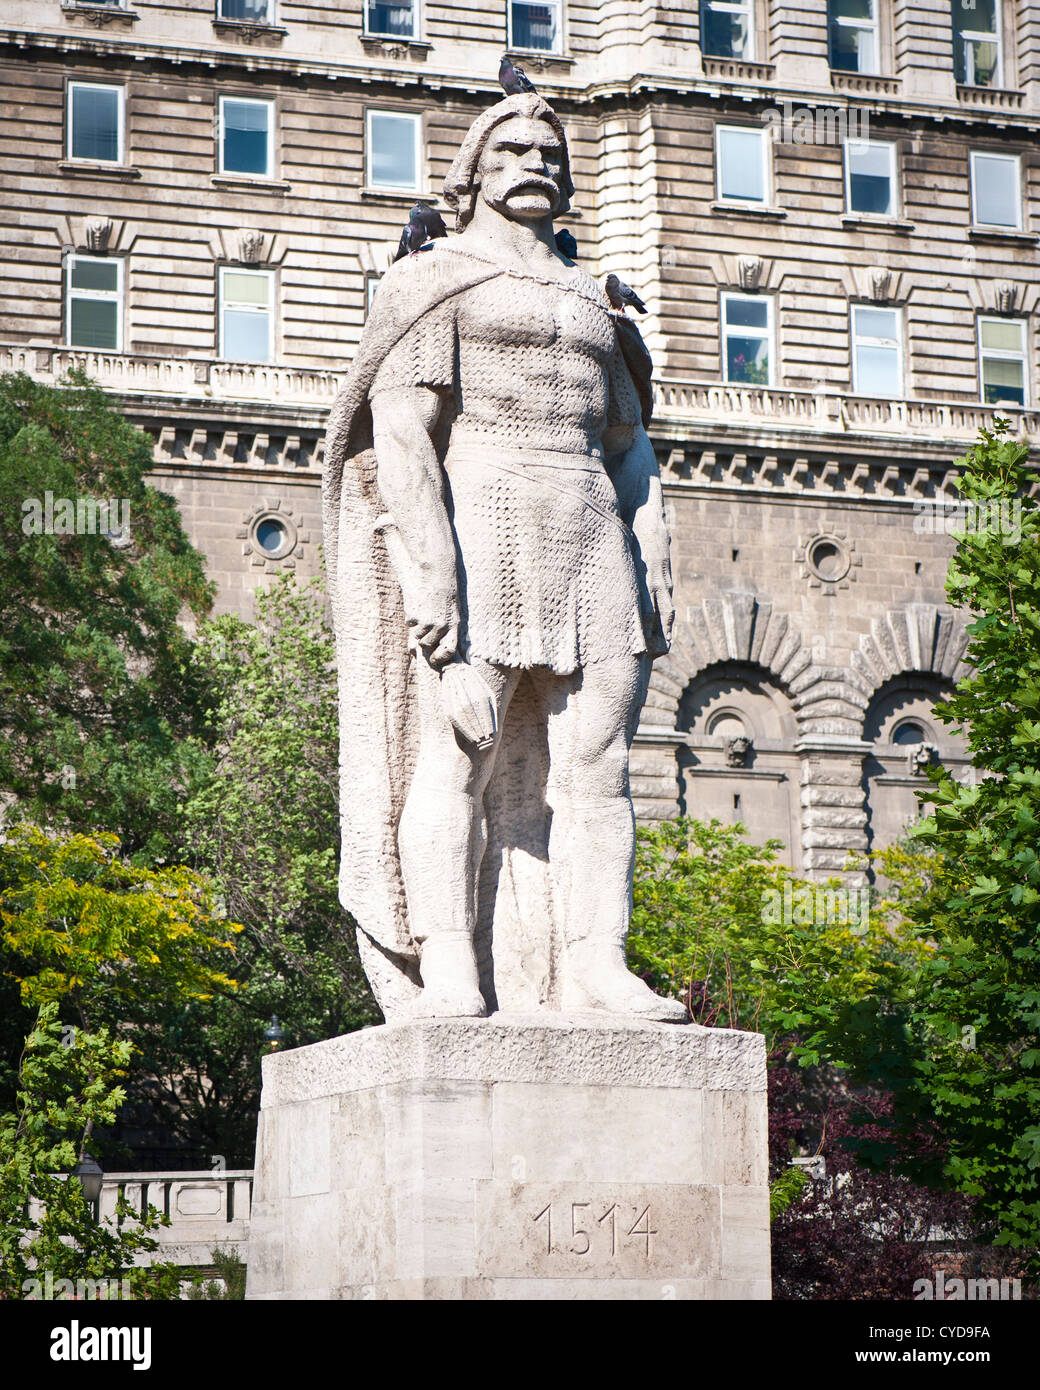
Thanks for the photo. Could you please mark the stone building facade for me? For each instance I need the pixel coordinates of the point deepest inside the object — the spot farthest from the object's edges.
(829, 209)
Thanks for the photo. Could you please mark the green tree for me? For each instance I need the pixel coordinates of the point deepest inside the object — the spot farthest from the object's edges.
(98, 695)
(263, 823)
(67, 1086)
(969, 1027)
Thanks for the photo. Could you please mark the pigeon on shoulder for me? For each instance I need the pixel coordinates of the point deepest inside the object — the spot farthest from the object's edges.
(566, 245)
(513, 79)
(621, 295)
(423, 225)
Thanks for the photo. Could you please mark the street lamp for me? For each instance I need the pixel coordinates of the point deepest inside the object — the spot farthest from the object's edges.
(274, 1034)
(90, 1177)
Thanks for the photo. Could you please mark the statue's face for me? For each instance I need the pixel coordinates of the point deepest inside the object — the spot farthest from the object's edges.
(520, 169)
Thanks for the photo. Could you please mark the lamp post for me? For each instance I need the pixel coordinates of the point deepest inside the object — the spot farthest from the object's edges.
(274, 1034)
(90, 1176)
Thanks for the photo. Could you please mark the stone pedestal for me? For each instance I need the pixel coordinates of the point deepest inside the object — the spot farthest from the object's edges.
(542, 1156)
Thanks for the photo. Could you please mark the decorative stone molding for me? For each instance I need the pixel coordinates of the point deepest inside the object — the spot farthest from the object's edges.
(97, 232)
(284, 553)
(250, 245)
(880, 283)
(919, 757)
(919, 638)
(398, 49)
(247, 32)
(100, 15)
(827, 560)
(749, 272)
(737, 750)
(1004, 297)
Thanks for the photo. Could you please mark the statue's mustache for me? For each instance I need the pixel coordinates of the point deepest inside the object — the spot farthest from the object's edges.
(534, 181)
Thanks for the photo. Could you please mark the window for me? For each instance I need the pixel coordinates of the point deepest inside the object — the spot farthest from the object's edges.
(248, 11)
(399, 20)
(245, 315)
(1002, 361)
(728, 29)
(854, 35)
(747, 335)
(393, 151)
(740, 163)
(976, 42)
(535, 26)
(870, 177)
(94, 303)
(246, 137)
(996, 190)
(877, 352)
(95, 122)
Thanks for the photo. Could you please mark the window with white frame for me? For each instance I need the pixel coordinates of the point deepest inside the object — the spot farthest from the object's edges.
(398, 19)
(394, 161)
(870, 177)
(996, 190)
(94, 302)
(728, 28)
(247, 11)
(877, 351)
(246, 315)
(95, 122)
(246, 137)
(371, 285)
(977, 58)
(1002, 361)
(747, 339)
(854, 35)
(740, 164)
(536, 26)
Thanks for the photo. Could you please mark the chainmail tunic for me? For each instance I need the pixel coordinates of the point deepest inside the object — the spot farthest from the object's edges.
(540, 394)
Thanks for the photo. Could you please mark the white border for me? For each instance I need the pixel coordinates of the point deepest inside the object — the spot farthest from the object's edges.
(894, 203)
(106, 296)
(1008, 159)
(744, 7)
(556, 5)
(417, 127)
(862, 340)
(245, 101)
(415, 36)
(221, 306)
(1005, 355)
(727, 296)
(120, 121)
(766, 199)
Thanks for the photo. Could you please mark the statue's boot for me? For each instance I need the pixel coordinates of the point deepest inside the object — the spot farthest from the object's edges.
(441, 841)
(592, 856)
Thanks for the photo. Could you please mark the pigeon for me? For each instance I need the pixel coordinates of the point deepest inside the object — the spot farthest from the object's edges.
(513, 79)
(424, 224)
(621, 294)
(566, 245)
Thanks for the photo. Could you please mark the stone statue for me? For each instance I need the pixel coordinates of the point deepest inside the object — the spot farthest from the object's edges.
(500, 584)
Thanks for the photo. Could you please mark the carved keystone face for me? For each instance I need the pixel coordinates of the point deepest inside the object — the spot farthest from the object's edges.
(520, 168)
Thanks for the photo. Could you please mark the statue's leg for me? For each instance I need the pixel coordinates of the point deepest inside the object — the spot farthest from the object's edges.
(441, 839)
(592, 720)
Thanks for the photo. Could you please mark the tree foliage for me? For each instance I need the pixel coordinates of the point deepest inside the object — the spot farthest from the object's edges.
(47, 1227)
(98, 695)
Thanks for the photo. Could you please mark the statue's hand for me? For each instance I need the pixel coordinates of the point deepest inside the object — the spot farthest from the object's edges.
(659, 617)
(437, 636)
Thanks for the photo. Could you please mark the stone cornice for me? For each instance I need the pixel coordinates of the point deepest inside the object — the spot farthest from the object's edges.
(664, 84)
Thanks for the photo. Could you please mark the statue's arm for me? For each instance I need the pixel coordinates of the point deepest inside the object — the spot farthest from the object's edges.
(421, 541)
(637, 480)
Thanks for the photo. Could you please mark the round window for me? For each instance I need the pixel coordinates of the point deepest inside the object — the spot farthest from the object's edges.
(273, 536)
(726, 724)
(828, 559)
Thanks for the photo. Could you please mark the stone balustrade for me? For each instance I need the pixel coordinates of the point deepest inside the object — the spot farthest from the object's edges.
(206, 1209)
(678, 402)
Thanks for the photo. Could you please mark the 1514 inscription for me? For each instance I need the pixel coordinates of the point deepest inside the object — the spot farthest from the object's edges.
(608, 1230)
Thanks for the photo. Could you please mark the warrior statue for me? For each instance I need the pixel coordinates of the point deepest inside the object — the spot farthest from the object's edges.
(500, 584)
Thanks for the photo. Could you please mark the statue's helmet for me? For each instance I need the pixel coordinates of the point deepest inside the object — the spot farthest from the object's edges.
(460, 186)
